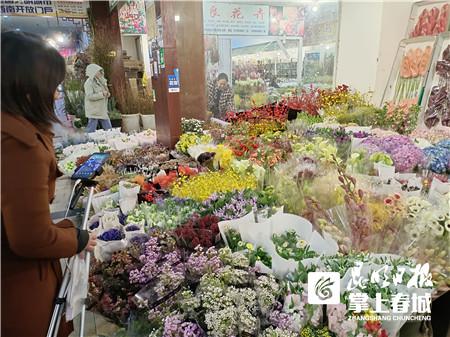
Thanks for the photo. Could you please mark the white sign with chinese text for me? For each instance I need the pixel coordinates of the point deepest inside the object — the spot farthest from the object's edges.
(235, 19)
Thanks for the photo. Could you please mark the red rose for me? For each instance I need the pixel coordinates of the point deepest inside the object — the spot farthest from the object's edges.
(195, 242)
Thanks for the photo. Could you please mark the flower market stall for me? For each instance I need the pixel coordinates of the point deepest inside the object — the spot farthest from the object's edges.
(222, 235)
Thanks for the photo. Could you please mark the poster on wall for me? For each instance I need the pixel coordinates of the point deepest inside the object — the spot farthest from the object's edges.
(436, 110)
(73, 9)
(410, 70)
(428, 18)
(287, 21)
(132, 18)
(235, 19)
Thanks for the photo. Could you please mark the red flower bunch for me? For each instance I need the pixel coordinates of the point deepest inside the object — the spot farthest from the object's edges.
(242, 146)
(372, 326)
(165, 180)
(186, 171)
(308, 101)
(147, 192)
(198, 231)
(273, 112)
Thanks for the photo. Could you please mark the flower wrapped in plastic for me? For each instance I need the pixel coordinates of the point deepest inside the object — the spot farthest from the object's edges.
(109, 241)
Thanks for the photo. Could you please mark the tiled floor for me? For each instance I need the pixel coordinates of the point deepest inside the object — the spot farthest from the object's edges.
(95, 326)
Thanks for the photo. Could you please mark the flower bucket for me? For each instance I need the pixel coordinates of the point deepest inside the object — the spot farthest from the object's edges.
(130, 123)
(148, 122)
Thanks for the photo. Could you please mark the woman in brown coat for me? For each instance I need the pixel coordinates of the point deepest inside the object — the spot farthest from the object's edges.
(31, 243)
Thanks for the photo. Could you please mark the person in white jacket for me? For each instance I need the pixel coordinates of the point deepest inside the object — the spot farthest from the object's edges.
(96, 96)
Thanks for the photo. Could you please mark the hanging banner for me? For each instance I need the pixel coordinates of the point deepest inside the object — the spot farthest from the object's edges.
(72, 9)
(132, 18)
(287, 20)
(27, 8)
(235, 19)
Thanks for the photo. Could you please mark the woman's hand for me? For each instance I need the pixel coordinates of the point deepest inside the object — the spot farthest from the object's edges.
(91, 243)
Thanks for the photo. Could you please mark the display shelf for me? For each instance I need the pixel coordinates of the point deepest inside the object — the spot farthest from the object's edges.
(433, 79)
(409, 71)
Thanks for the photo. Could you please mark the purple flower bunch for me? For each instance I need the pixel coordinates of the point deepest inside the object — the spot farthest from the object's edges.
(201, 262)
(341, 136)
(150, 258)
(174, 326)
(237, 207)
(94, 225)
(132, 228)
(230, 205)
(281, 319)
(113, 234)
(360, 134)
(404, 153)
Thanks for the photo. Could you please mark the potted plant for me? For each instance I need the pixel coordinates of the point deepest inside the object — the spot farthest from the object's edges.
(146, 112)
(74, 101)
(130, 112)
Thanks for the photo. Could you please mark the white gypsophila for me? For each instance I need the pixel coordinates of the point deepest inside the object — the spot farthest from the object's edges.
(247, 322)
(222, 323)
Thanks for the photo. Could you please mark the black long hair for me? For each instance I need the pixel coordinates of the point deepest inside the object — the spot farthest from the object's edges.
(31, 71)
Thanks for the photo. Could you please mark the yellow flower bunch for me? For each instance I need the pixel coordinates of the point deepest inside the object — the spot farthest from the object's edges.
(263, 127)
(223, 156)
(342, 101)
(189, 139)
(380, 215)
(202, 186)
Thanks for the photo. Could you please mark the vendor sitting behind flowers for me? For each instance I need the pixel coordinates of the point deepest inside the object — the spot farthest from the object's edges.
(220, 97)
(96, 96)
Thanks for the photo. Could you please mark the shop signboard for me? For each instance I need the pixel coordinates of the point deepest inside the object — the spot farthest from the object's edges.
(287, 21)
(28, 8)
(235, 19)
(132, 18)
(72, 9)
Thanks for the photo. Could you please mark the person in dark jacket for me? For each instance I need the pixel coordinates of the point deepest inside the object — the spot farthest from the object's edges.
(220, 97)
(31, 243)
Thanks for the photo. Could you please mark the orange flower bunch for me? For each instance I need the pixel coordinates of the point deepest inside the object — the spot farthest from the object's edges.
(415, 62)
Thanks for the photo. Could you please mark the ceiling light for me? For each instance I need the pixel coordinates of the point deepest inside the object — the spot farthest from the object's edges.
(177, 18)
(315, 8)
(52, 43)
(60, 38)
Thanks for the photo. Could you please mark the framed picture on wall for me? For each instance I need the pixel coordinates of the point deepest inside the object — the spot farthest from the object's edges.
(428, 18)
(409, 71)
(436, 108)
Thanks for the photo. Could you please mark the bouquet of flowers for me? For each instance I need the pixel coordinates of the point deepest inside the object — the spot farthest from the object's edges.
(191, 125)
(199, 230)
(405, 155)
(202, 186)
(168, 213)
(189, 139)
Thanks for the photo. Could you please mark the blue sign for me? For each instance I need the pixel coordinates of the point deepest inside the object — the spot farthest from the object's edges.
(174, 83)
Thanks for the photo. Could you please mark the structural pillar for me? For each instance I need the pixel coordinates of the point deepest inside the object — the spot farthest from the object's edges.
(183, 45)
